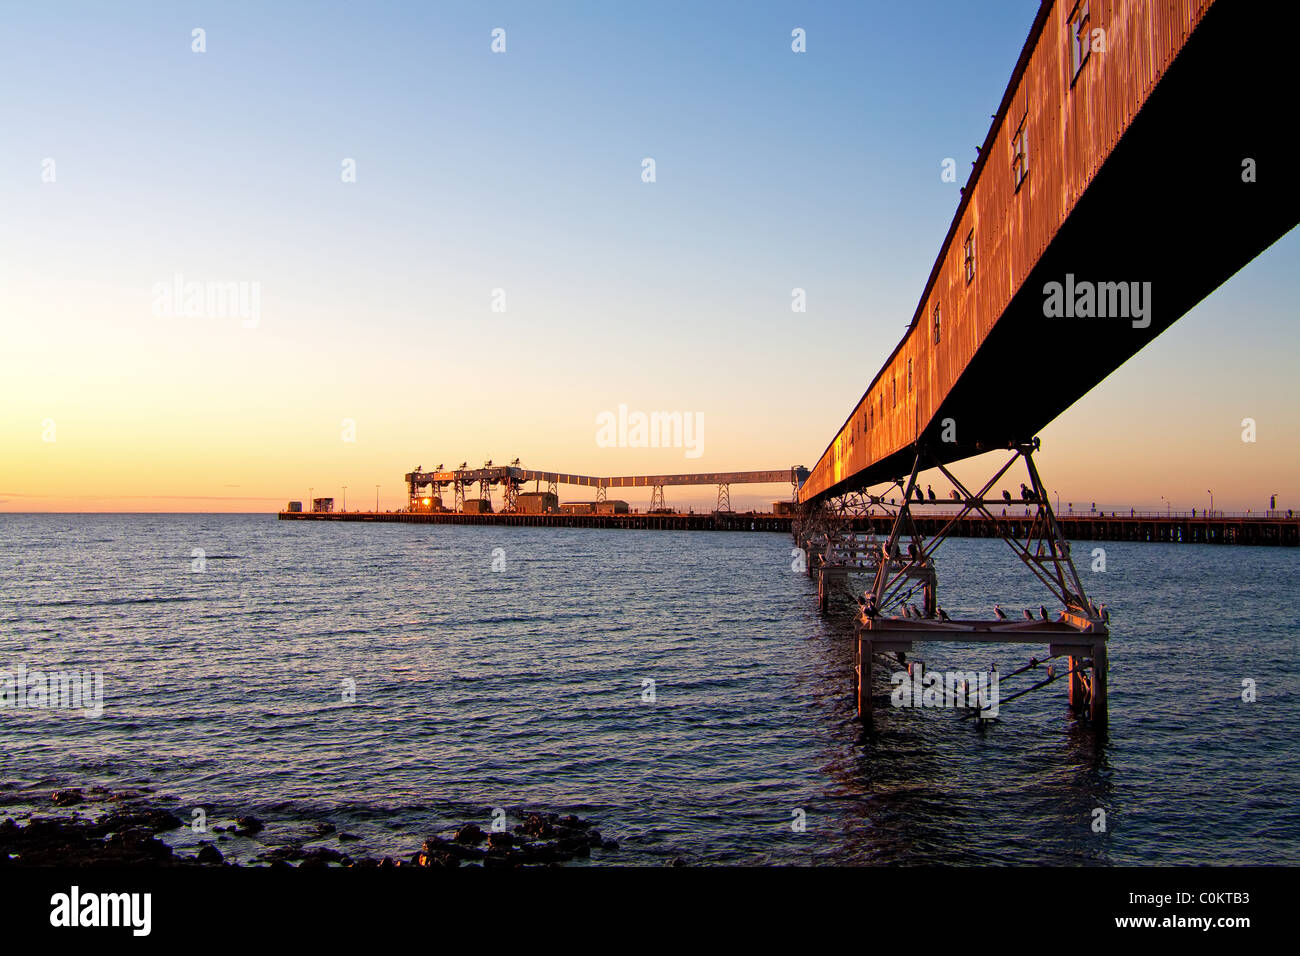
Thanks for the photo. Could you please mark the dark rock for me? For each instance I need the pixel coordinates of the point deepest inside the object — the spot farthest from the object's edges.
(67, 798)
(573, 846)
(500, 858)
(155, 821)
(324, 829)
(209, 854)
(440, 845)
(540, 853)
(348, 837)
(609, 845)
(249, 825)
(537, 825)
(501, 841)
(321, 855)
(470, 833)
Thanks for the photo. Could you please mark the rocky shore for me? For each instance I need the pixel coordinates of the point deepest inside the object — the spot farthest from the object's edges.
(130, 833)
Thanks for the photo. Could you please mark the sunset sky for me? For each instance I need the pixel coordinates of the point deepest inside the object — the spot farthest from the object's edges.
(522, 172)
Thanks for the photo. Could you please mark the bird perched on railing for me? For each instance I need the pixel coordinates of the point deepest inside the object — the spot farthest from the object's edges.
(1029, 615)
(1006, 496)
(1001, 614)
(1042, 612)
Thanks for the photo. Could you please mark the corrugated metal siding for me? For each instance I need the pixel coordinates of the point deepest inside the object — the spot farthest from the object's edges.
(1070, 132)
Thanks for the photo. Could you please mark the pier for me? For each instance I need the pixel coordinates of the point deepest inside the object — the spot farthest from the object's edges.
(1235, 529)
(1060, 197)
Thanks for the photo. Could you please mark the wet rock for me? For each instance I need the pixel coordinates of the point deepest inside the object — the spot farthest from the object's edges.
(321, 855)
(67, 798)
(348, 837)
(249, 825)
(460, 851)
(501, 841)
(570, 847)
(537, 825)
(282, 854)
(155, 821)
(470, 833)
(609, 845)
(445, 854)
(209, 854)
(540, 853)
(323, 829)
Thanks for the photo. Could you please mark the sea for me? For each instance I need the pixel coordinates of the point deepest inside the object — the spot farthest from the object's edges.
(678, 689)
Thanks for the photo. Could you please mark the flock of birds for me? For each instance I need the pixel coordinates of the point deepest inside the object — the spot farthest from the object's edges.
(1101, 611)
(1027, 494)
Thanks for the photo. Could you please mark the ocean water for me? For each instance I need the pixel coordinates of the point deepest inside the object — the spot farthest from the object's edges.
(523, 688)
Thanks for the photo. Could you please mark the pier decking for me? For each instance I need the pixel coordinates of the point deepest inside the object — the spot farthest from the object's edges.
(1169, 529)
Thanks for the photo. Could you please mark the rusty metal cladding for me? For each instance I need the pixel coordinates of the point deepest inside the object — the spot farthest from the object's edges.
(1128, 169)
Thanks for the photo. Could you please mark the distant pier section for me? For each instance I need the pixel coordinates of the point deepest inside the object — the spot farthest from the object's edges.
(465, 496)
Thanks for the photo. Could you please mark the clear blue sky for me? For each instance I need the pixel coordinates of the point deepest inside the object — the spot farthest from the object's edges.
(521, 171)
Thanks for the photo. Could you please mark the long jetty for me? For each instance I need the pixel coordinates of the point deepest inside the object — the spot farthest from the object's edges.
(1168, 529)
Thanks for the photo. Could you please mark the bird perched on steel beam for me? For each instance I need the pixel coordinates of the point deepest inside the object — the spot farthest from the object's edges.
(997, 609)
(1042, 612)
(943, 615)
(1029, 615)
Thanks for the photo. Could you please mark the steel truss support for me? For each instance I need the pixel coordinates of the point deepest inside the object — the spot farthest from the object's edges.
(657, 498)
(509, 494)
(600, 492)
(1045, 550)
(458, 504)
(724, 497)
(888, 623)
